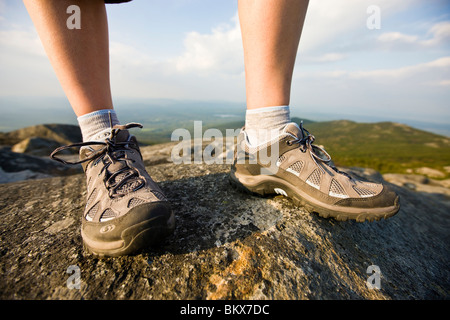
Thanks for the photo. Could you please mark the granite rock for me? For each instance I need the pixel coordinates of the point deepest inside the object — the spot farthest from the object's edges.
(61, 133)
(36, 146)
(226, 245)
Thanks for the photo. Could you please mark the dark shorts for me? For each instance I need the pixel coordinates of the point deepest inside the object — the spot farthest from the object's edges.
(116, 1)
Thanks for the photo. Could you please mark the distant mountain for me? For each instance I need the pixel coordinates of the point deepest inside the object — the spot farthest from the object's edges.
(61, 133)
(24, 152)
(387, 147)
(38, 140)
(383, 146)
(160, 131)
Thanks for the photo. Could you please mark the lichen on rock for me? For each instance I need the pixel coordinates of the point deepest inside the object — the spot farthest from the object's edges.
(226, 245)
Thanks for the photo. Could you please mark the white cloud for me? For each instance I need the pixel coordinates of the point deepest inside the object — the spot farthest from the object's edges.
(433, 67)
(417, 91)
(444, 83)
(210, 67)
(217, 52)
(432, 72)
(397, 37)
(327, 57)
(438, 34)
(329, 21)
(334, 71)
(21, 41)
(135, 73)
(122, 53)
(24, 65)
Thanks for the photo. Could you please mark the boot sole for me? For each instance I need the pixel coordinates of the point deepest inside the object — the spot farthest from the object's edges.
(141, 235)
(270, 185)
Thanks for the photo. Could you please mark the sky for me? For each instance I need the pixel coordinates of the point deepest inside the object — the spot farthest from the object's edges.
(353, 62)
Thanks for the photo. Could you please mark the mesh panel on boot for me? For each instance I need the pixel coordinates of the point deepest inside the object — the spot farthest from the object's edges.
(314, 179)
(336, 190)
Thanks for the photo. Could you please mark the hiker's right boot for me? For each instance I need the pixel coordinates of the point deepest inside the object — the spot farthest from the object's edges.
(125, 210)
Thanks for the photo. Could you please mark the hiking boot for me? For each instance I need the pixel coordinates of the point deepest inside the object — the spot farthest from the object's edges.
(125, 209)
(304, 172)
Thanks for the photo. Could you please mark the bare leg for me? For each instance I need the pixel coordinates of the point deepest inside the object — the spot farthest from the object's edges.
(271, 32)
(80, 57)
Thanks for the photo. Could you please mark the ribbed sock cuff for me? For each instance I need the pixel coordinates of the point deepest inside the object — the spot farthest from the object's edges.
(262, 123)
(97, 125)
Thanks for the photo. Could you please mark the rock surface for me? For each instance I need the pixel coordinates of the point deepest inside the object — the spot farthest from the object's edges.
(227, 245)
(24, 153)
(61, 133)
(36, 146)
(19, 166)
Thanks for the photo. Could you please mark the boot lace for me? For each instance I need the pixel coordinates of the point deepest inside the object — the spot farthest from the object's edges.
(120, 181)
(317, 153)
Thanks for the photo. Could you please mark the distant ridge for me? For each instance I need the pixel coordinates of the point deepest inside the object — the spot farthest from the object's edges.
(62, 133)
(388, 147)
(383, 146)
(227, 245)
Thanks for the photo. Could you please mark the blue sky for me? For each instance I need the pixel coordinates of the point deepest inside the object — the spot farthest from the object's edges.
(191, 50)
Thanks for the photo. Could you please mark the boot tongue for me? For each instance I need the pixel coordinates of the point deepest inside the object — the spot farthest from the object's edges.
(132, 181)
(293, 129)
(122, 136)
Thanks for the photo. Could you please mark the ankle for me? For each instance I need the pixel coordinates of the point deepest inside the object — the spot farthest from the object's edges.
(98, 124)
(263, 123)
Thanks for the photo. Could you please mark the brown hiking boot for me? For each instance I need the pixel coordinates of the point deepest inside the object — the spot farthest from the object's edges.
(303, 172)
(125, 209)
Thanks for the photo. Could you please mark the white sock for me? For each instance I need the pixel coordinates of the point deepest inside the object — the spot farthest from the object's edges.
(262, 124)
(97, 125)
